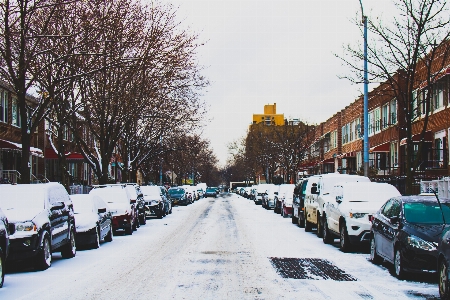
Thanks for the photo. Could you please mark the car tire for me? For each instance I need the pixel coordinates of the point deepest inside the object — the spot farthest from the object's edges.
(2, 268)
(142, 219)
(344, 242)
(137, 223)
(159, 215)
(399, 272)
(109, 236)
(96, 244)
(70, 250)
(129, 230)
(308, 226)
(170, 211)
(44, 256)
(300, 222)
(374, 257)
(319, 231)
(443, 280)
(327, 238)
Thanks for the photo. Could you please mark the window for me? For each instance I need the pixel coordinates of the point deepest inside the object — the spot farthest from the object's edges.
(415, 105)
(377, 119)
(65, 133)
(385, 116)
(345, 133)
(438, 96)
(15, 114)
(352, 131)
(334, 139)
(3, 106)
(370, 123)
(393, 111)
(423, 101)
(391, 209)
(394, 155)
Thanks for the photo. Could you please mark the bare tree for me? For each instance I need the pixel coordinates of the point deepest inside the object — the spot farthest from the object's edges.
(409, 54)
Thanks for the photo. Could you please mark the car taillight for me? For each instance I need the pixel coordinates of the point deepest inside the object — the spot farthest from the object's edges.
(371, 218)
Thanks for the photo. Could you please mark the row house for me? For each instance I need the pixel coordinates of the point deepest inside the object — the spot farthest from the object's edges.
(339, 141)
(43, 160)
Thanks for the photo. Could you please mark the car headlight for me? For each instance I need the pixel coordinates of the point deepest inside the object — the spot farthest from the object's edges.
(155, 202)
(26, 226)
(417, 242)
(357, 215)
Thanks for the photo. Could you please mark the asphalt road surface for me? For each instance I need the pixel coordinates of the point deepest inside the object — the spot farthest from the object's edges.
(223, 248)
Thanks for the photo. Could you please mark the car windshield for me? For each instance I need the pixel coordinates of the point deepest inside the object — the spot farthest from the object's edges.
(151, 191)
(426, 212)
(211, 189)
(176, 191)
(82, 204)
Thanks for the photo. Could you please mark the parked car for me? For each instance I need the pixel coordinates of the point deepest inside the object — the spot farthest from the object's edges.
(167, 201)
(93, 220)
(284, 199)
(406, 231)
(190, 193)
(122, 208)
(211, 192)
(42, 219)
(268, 198)
(135, 193)
(154, 202)
(318, 195)
(298, 204)
(444, 256)
(349, 216)
(4, 244)
(178, 195)
(260, 191)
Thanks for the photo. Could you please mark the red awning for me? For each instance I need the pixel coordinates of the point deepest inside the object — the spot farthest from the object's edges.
(428, 138)
(51, 154)
(380, 148)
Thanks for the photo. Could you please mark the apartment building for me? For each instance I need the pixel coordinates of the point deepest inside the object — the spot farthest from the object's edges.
(269, 117)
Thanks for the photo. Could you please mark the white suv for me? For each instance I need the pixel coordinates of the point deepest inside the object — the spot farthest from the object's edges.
(317, 195)
(349, 215)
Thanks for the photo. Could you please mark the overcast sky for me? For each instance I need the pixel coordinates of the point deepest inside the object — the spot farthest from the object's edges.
(265, 52)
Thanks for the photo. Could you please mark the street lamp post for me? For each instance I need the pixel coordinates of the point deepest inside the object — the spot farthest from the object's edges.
(366, 97)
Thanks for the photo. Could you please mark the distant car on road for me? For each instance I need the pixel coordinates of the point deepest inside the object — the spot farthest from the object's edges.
(4, 244)
(178, 196)
(211, 192)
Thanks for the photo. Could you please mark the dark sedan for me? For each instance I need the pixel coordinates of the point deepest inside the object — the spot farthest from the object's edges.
(178, 196)
(93, 220)
(211, 192)
(406, 231)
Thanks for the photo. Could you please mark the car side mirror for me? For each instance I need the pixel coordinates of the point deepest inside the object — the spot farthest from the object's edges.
(394, 220)
(132, 201)
(314, 190)
(102, 210)
(57, 205)
(338, 199)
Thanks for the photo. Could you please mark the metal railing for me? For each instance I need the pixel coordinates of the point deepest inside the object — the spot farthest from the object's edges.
(9, 176)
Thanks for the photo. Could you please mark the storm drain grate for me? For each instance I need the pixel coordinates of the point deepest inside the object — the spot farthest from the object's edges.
(309, 268)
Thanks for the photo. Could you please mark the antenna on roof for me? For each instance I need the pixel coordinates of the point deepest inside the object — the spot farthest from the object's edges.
(440, 206)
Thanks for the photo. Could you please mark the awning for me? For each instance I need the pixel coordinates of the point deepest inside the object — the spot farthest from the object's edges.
(328, 161)
(51, 154)
(428, 138)
(11, 146)
(380, 148)
(348, 154)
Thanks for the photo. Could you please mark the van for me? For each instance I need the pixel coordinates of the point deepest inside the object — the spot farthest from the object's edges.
(318, 194)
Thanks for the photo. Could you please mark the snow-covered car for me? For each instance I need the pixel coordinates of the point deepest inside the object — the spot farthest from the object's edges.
(268, 198)
(178, 196)
(190, 193)
(298, 205)
(93, 220)
(318, 195)
(154, 203)
(260, 191)
(135, 193)
(43, 221)
(166, 200)
(349, 216)
(285, 197)
(121, 207)
(4, 245)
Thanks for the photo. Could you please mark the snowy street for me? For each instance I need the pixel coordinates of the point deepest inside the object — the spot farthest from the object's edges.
(223, 248)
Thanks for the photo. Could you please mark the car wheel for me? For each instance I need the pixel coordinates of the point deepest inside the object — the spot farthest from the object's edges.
(326, 236)
(109, 236)
(374, 257)
(300, 222)
(143, 219)
(129, 230)
(70, 250)
(319, 231)
(137, 223)
(443, 280)
(398, 264)
(2, 268)
(44, 257)
(308, 226)
(96, 244)
(170, 211)
(294, 220)
(344, 244)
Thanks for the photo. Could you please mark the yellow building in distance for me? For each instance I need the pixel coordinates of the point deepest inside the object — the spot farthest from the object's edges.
(270, 116)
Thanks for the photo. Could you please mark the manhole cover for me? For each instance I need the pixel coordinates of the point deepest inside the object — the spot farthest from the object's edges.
(309, 268)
